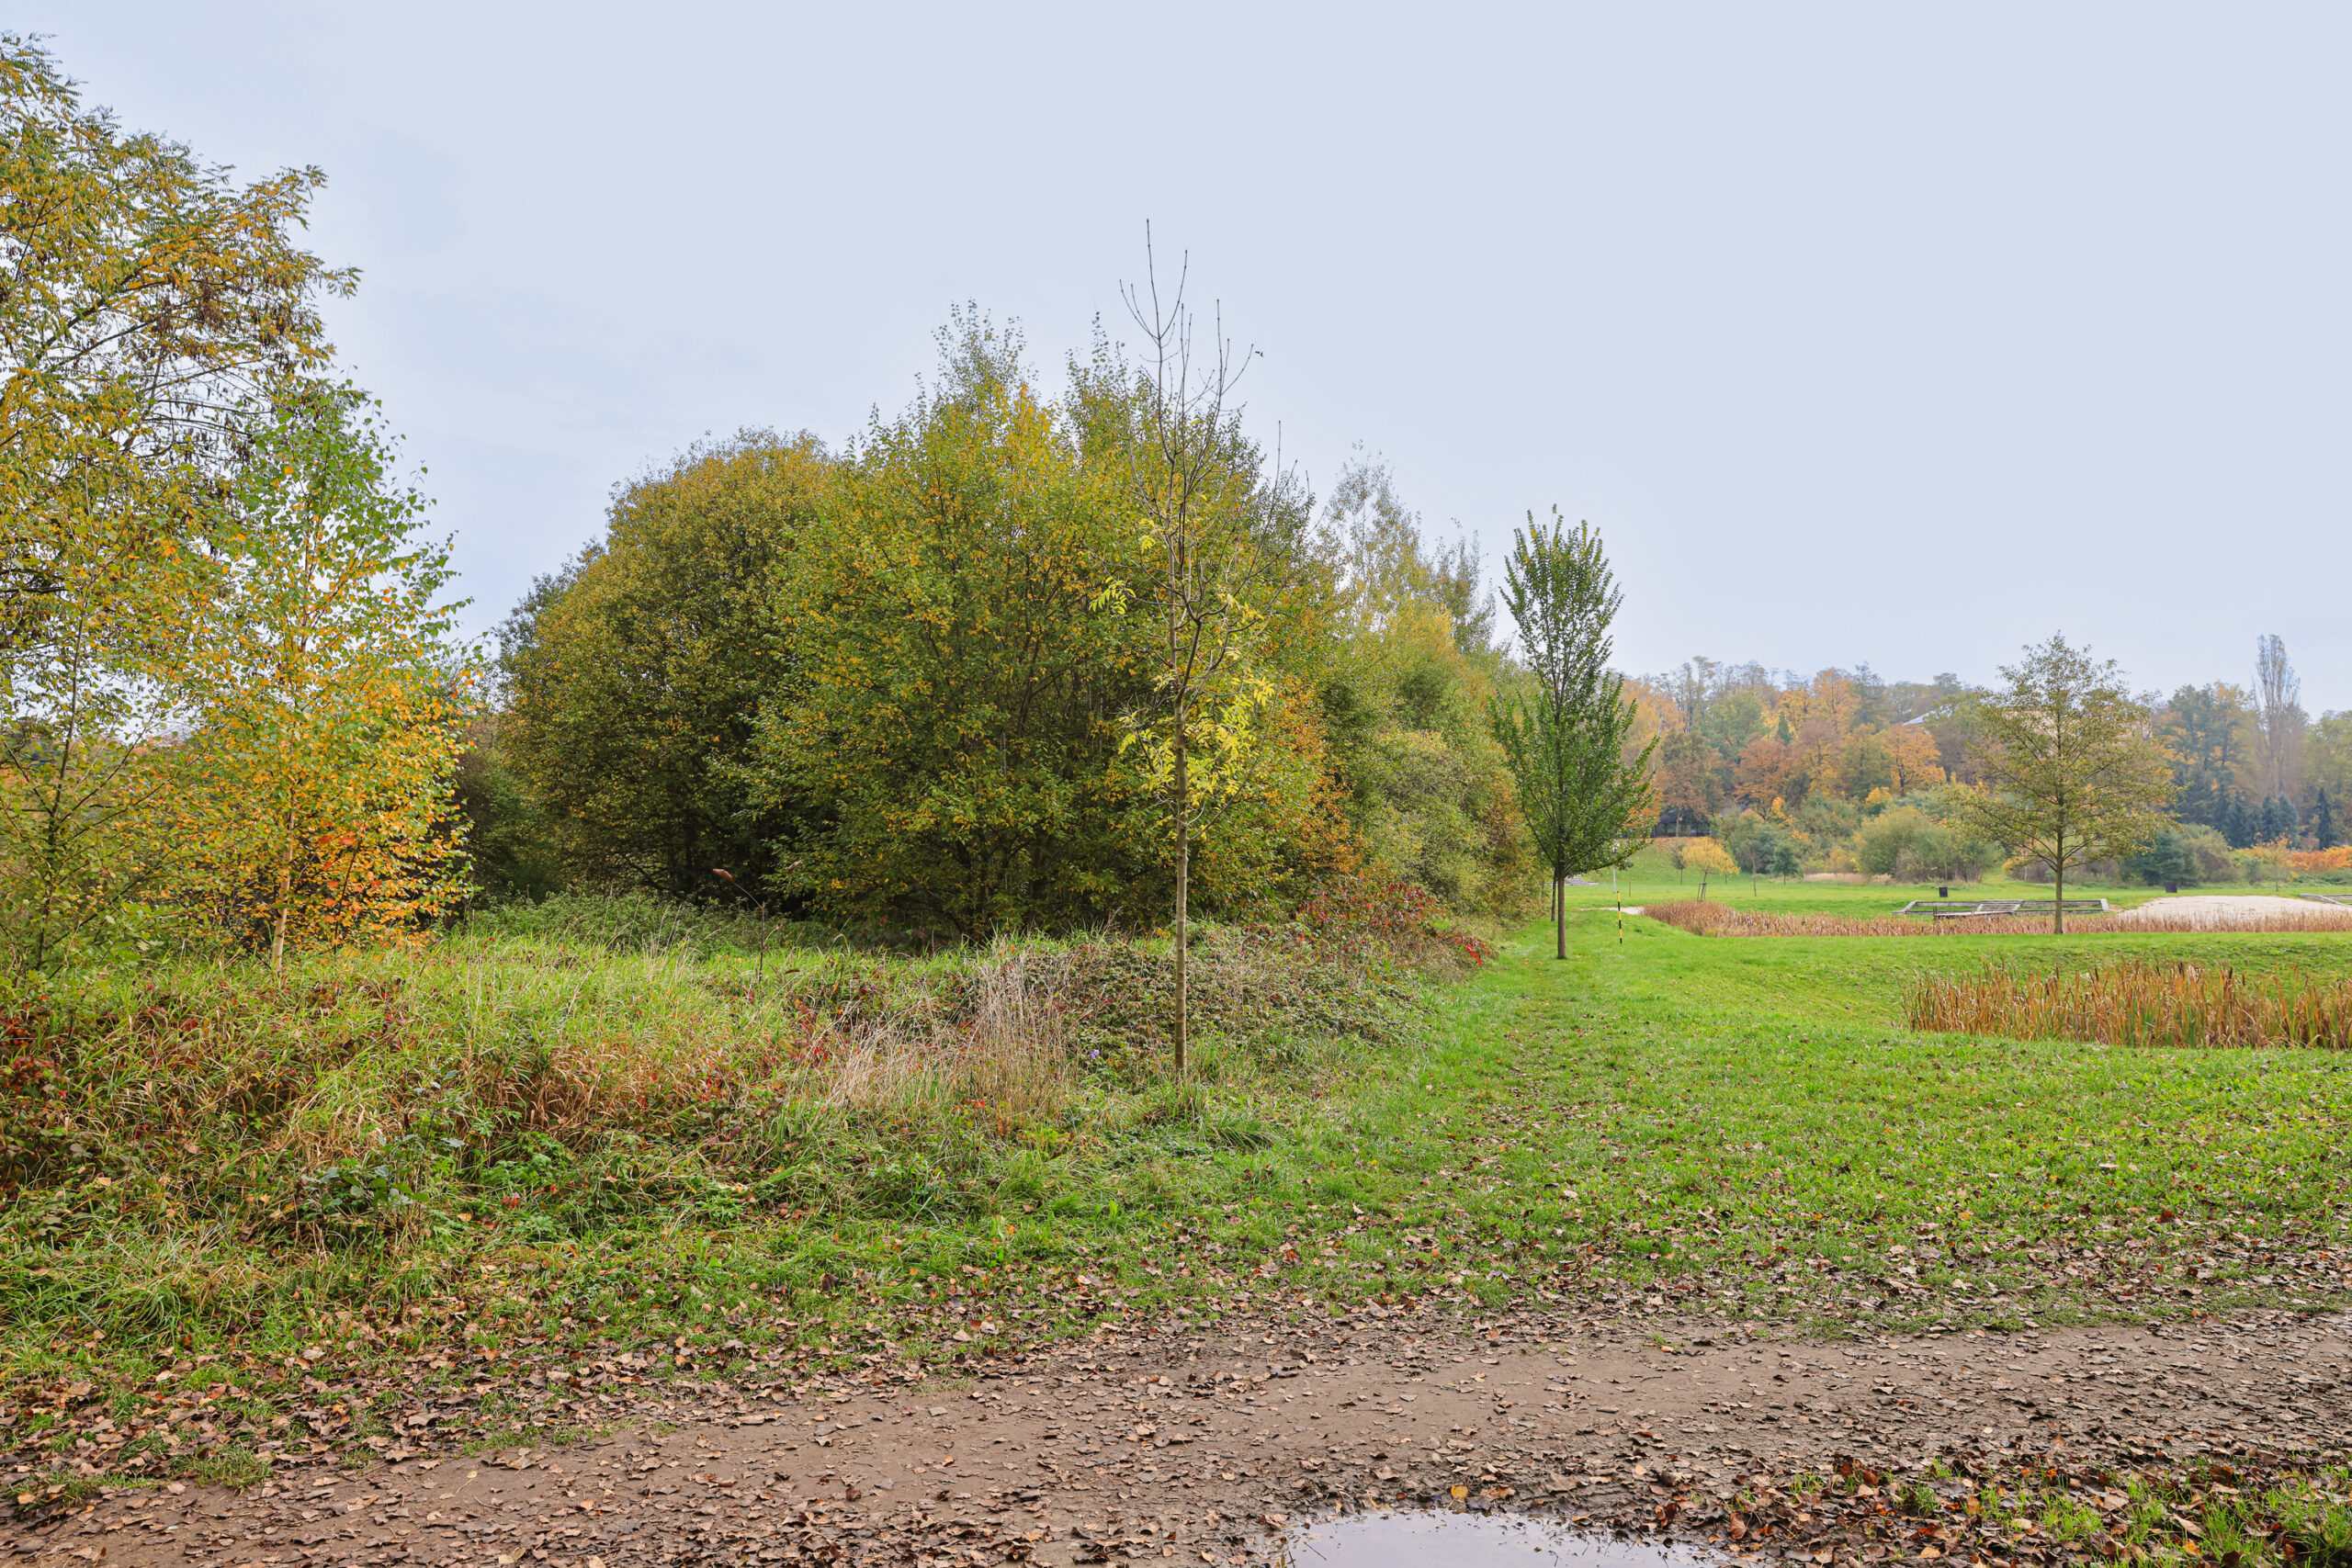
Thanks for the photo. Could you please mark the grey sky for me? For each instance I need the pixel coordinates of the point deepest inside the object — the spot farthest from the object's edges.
(1895, 333)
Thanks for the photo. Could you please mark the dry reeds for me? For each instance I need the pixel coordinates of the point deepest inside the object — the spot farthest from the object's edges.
(1722, 919)
(2141, 1004)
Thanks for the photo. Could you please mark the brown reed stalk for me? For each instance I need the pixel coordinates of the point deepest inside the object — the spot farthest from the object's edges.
(2162, 1005)
(1720, 919)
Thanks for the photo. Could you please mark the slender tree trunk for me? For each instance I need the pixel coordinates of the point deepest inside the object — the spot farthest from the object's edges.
(2058, 905)
(1559, 912)
(1183, 896)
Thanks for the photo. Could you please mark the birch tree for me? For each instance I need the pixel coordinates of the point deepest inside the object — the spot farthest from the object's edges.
(315, 798)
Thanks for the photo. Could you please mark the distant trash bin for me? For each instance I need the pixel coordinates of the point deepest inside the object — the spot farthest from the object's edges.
(1943, 892)
(2172, 886)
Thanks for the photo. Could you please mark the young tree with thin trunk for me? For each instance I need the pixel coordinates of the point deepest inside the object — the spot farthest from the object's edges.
(2073, 772)
(1567, 724)
(1220, 542)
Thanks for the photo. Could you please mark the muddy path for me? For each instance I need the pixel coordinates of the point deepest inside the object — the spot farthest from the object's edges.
(1201, 1447)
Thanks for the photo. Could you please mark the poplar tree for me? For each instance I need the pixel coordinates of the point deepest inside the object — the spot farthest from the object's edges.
(2073, 774)
(1565, 725)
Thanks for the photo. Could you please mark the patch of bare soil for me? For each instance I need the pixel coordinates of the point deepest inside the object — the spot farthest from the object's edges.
(1199, 1448)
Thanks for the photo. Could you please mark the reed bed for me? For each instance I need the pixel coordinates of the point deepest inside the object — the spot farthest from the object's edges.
(2171, 1005)
(1709, 918)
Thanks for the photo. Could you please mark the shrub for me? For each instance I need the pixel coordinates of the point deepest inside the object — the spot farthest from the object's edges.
(2210, 851)
(1356, 918)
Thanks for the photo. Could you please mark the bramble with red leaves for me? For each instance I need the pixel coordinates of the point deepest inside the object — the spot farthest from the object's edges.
(1360, 918)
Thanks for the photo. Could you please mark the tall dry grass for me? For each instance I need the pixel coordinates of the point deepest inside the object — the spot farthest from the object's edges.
(2140, 1004)
(1709, 918)
(441, 1049)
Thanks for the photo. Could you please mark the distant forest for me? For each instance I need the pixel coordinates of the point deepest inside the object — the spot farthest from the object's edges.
(1846, 771)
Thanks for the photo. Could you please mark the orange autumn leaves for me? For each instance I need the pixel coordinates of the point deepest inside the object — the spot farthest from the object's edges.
(313, 794)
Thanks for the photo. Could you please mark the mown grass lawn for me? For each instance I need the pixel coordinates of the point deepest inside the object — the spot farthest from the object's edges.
(1747, 1125)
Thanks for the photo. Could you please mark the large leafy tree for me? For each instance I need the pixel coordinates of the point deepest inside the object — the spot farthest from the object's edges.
(2208, 730)
(1403, 688)
(634, 677)
(1567, 724)
(2073, 773)
(152, 312)
(949, 732)
(955, 734)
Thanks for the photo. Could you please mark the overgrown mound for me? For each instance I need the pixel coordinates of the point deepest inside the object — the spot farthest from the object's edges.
(579, 1063)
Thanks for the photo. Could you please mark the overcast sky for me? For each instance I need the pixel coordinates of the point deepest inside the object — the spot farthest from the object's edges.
(1904, 334)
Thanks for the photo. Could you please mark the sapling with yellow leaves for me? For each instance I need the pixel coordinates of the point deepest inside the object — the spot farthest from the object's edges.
(314, 799)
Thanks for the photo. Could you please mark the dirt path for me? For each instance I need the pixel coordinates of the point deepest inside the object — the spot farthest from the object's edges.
(1198, 1446)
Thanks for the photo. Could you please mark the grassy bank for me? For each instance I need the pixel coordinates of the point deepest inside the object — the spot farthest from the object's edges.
(543, 1136)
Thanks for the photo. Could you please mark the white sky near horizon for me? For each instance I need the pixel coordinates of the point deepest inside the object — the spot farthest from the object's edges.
(1904, 335)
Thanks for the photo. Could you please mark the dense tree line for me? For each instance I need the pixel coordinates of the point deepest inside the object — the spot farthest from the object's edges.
(1847, 772)
(1010, 658)
(907, 683)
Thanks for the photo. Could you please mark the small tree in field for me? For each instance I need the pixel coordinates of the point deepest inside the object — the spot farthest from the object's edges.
(1565, 726)
(316, 803)
(2072, 771)
(1218, 543)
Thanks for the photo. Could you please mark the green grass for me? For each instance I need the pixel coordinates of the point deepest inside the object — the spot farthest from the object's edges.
(1658, 885)
(1662, 1124)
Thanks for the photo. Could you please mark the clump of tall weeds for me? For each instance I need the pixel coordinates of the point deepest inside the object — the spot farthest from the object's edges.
(588, 1061)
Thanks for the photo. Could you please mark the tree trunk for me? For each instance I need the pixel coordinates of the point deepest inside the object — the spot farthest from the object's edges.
(1183, 895)
(1560, 913)
(2058, 905)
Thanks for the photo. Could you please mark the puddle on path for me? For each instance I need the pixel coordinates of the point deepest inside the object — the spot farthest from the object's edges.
(1436, 1539)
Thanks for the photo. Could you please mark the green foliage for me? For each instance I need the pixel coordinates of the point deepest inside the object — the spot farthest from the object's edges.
(2165, 857)
(635, 676)
(1903, 842)
(2075, 778)
(154, 318)
(2211, 731)
(507, 837)
(950, 731)
(955, 742)
(1760, 848)
(1405, 699)
(1566, 725)
(310, 799)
